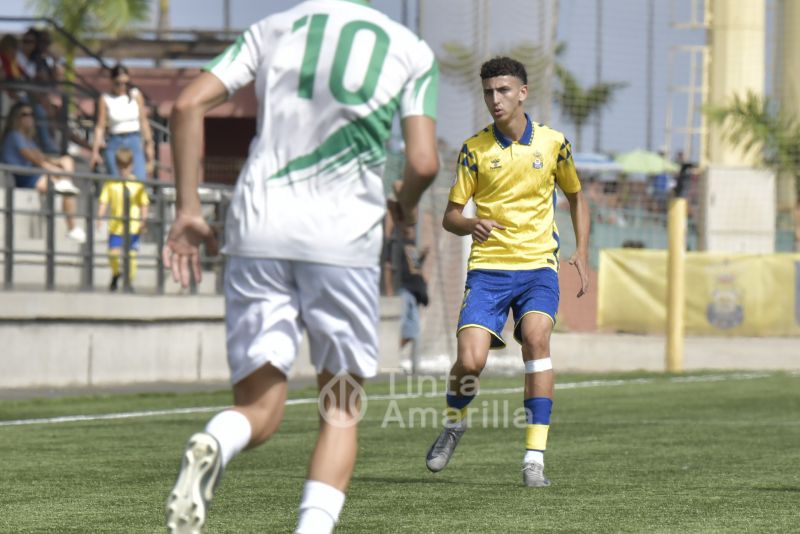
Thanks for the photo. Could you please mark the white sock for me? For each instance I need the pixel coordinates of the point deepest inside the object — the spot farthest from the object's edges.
(319, 508)
(232, 430)
(460, 425)
(534, 456)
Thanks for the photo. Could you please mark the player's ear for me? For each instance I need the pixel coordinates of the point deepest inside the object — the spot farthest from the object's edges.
(523, 92)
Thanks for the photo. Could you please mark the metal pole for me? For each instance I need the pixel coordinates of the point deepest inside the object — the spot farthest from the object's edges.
(676, 280)
(227, 15)
(126, 238)
(50, 237)
(160, 225)
(650, 49)
(87, 278)
(8, 266)
(598, 73)
(223, 215)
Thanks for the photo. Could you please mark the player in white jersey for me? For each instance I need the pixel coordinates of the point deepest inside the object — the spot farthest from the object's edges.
(303, 234)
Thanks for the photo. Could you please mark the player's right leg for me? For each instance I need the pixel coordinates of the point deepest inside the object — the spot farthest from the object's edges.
(262, 339)
(473, 351)
(483, 314)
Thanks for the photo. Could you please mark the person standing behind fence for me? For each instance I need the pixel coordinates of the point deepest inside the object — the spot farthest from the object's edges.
(123, 113)
(35, 69)
(112, 198)
(413, 287)
(303, 232)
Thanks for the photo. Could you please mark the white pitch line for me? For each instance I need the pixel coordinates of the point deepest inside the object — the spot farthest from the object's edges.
(313, 400)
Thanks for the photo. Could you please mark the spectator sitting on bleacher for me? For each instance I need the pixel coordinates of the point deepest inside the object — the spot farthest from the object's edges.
(19, 148)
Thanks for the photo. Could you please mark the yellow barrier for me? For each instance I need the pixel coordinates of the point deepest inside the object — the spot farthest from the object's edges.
(726, 294)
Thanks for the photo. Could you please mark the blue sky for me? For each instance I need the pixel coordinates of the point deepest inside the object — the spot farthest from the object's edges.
(624, 54)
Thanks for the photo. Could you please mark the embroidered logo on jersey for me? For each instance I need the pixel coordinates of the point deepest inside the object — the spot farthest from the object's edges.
(537, 160)
(495, 164)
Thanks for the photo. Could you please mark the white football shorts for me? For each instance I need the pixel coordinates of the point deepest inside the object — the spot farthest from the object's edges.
(270, 302)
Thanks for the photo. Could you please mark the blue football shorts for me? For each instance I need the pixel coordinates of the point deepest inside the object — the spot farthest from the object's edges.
(490, 293)
(117, 241)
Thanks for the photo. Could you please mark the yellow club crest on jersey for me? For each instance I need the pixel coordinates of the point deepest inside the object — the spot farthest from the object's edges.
(537, 160)
(494, 164)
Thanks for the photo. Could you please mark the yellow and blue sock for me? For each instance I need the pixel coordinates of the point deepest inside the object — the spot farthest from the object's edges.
(457, 410)
(113, 261)
(537, 410)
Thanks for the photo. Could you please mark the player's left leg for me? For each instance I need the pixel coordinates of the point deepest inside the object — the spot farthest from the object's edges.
(263, 335)
(539, 385)
(114, 252)
(535, 308)
(259, 401)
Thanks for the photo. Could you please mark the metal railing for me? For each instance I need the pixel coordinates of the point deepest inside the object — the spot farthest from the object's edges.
(215, 199)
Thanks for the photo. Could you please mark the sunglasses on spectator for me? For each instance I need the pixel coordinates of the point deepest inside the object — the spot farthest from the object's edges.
(118, 83)
(26, 114)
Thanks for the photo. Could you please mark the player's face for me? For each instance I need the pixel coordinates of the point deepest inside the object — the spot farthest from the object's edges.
(504, 96)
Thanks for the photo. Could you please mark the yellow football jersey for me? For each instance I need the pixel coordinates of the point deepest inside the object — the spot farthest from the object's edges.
(513, 183)
(112, 194)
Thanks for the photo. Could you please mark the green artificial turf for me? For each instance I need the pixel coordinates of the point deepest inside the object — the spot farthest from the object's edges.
(646, 453)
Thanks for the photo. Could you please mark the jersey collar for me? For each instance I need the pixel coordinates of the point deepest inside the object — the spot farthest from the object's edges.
(505, 142)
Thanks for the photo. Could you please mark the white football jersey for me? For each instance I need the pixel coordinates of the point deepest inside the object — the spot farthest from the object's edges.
(329, 77)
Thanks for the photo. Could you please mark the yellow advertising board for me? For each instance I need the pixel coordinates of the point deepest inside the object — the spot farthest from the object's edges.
(726, 293)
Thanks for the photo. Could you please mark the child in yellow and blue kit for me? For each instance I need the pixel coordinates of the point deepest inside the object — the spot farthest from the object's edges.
(112, 197)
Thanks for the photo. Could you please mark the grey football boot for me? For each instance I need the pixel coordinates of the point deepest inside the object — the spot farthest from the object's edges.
(442, 449)
(201, 467)
(533, 475)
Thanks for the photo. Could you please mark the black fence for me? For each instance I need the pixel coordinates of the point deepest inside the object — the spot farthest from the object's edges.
(215, 200)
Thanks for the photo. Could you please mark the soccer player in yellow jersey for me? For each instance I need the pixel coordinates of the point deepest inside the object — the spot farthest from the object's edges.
(510, 169)
(112, 198)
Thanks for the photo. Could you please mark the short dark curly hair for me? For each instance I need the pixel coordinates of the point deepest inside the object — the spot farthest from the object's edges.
(504, 66)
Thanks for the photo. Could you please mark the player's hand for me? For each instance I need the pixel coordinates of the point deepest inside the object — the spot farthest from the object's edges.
(393, 207)
(407, 214)
(581, 262)
(182, 250)
(484, 227)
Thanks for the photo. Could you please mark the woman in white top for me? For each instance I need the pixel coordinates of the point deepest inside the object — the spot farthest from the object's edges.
(123, 113)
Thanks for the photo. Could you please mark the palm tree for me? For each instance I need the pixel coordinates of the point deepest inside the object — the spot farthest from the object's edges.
(754, 122)
(84, 18)
(162, 24)
(579, 104)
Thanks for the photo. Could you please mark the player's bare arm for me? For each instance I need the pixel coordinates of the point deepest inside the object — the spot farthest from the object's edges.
(189, 231)
(456, 223)
(579, 212)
